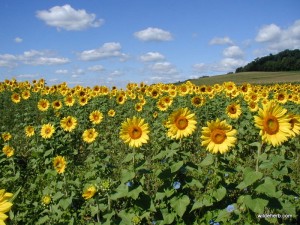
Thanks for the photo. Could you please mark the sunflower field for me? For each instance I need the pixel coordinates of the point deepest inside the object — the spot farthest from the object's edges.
(149, 154)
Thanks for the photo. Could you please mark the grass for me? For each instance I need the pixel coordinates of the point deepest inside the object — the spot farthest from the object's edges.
(251, 77)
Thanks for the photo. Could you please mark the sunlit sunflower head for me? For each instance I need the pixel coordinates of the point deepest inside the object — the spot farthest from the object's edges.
(274, 124)
(68, 123)
(83, 100)
(8, 150)
(89, 192)
(229, 86)
(57, 105)
(218, 136)
(89, 135)
(234, 110)
(198, 101)
(111, 113)
(138, 107)
(161, 106)
(245, 88)
(59, 164)
(281, 97)
(29, 131)
(96, 117)
(295, 124)
(26, 94)
(46, 199)
(43, 105)
(47, 131)
(15, 97)
(69, 100)
(121, 98)
(6, 136)
(134, 132)
(253, 106)
(181, 123)
(5, 204)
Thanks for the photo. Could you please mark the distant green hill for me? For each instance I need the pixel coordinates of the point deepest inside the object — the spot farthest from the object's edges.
(251, 77)
(287, 60)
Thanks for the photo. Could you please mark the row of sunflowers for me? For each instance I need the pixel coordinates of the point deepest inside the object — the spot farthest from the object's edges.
(149, 154)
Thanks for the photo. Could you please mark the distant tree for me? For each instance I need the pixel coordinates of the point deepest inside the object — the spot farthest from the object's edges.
(286, 60)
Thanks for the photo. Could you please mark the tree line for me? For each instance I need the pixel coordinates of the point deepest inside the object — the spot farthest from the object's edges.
(287, 60)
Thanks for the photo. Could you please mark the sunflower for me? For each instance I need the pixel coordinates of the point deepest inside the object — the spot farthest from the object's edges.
(253, 106)
(69, 100)
(83, 100)
(161, 106)
(59, 164)
(15, 98)
(8, 150)
(138, 107)
(6, 136)
(89, 192)
(281, 97)
(5, 205)
(47, 130)
(274, 124)
(218, 136)
(111, 113)
(234, 110)
(197, 101)
(121, 98)
(68, 123)
(43, 105)
(295, 124)
(26, 94)
(89, 135)
(46, 199)
(29, 131)
(181, 123)
(96, 117)
(57, 105)
(134, 132)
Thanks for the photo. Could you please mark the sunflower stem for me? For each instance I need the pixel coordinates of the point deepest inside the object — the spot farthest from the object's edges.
(258, 155)
(13, 165)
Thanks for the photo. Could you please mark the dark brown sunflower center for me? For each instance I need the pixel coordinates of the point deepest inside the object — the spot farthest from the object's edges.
(218, 136)
(91, 134)
(271, 125)
(232, 109)
(197, 101)
(181, 123)
(280, 97)
(135, 132)
(48, 130)
(69, 123)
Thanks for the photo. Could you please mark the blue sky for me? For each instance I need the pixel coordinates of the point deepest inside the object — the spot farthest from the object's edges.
(113, 42)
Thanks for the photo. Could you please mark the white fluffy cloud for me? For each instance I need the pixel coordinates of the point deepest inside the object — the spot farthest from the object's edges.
(153, 34)
(67, 18)
(277, 39)
(163, 68)
(61, 71)
(96, 68)
(151, 57)
(32, 57)
(221, 41)
(18, 40)
(233, 52)
(107, 50)
(268, 33)
(35, 58)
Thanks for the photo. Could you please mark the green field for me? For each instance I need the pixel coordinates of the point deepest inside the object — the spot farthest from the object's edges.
(251, 77)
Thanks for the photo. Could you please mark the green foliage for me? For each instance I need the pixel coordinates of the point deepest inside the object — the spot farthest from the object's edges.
(165, 181)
